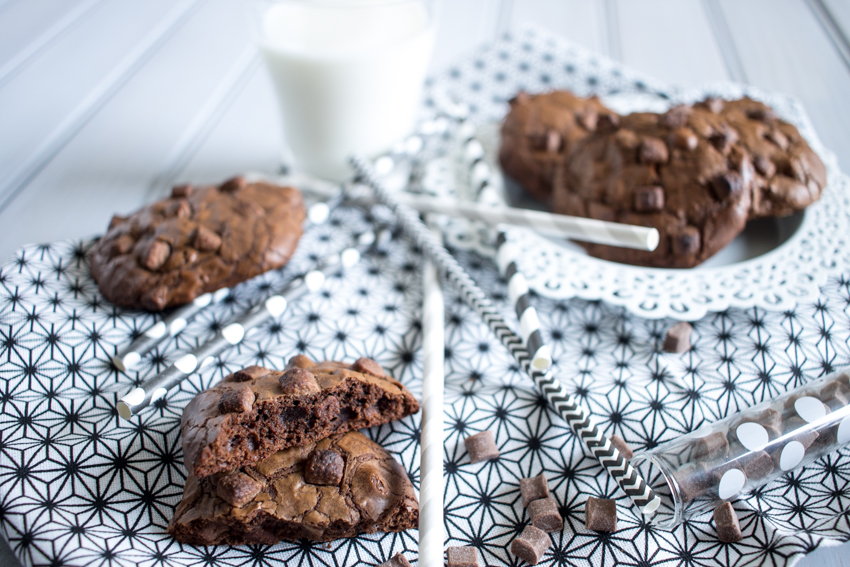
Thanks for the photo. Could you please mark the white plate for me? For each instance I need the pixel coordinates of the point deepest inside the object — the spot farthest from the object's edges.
(775, 264)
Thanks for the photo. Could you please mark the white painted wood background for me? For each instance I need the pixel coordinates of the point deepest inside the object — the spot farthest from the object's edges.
(105, 103)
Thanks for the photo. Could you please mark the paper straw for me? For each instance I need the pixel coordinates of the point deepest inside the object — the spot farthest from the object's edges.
(566, 405)
(172, 324)
(520, 296)
(431, 527)
(157, 386)
(169, 326)
(562, 226)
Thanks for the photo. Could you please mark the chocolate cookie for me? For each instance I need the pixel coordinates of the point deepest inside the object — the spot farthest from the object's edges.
(540, 130)
(362, 490)
(680, 172)
(198, 240)
(789, 176)
(255, 412)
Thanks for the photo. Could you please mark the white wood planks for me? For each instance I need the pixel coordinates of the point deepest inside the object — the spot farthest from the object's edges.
(137, 137)
(671, 40)
(783, 48)
(578, 20)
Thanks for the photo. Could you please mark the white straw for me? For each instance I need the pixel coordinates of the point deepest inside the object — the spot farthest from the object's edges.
(431, 530)
(563, 226)
(578, 228)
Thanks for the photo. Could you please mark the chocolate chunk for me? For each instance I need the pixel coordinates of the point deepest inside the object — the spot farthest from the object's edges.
(621, 446)
(600, 514)
(398, 560)
(301, 361)
(588, 118)
(553, 141)
(685, 139)
(237, 489)
(763, 114)
(368, 366)
(844, 379)
(544, 515)
(764, 166)
(730, 184)
(531, 545)
(181, 191)
(481, 447)
(346, 400)
(116, 220)
(710, 447)
(649, 198)
(653, 150)
(324, 468)
(207, 240)
(608, 122)
(714, 104)
(693, 481)
(771, 420)
(196, 242)
(686, 242)
(375, 496)
(678, 337)
(835, 395)
(462, 557)
(726, 523)
(180, 209)
(236, 401)
(247, 374)
(156, 255)
(298, 382)
(533, 488)
(723, 139)
(757, 465)
(234, 184)
(676, 117)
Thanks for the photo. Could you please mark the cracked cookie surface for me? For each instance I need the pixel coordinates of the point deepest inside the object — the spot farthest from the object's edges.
(198, 240)
(283, 498)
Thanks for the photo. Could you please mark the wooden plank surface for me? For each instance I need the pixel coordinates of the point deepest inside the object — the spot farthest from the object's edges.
(783, 48)
(198, 106)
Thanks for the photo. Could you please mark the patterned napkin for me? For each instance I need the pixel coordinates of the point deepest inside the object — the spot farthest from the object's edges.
(78, 486)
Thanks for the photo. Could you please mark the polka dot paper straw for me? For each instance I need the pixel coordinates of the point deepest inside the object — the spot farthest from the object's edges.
(567, 406)
(172, 324)
(157, 386)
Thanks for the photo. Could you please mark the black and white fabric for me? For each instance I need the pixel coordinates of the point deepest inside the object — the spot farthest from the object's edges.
(79, 486)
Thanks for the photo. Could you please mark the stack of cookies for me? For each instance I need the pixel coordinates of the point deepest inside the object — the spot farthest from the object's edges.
(697, 173)
(276, 456)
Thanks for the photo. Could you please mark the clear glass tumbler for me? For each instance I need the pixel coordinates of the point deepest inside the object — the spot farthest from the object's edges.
(727, 459)
(348, 74)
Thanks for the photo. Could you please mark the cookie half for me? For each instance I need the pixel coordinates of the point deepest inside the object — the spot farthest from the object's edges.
(541, 130)
(338, 487)
(198, 240)
(255, 412)
(680, 172)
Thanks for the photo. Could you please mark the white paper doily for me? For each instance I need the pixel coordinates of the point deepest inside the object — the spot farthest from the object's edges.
(777, 279)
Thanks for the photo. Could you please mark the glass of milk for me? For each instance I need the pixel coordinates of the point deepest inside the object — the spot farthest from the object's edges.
(348, 75)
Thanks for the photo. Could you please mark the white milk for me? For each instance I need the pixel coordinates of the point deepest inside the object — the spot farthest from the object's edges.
(348, 76)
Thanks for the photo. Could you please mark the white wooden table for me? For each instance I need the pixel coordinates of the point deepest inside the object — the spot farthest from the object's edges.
(105, 103)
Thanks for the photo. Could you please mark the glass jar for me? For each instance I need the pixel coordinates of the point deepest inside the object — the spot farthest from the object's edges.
(727, 459)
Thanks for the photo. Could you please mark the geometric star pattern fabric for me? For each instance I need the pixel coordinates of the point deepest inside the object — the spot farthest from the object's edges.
(80, 486)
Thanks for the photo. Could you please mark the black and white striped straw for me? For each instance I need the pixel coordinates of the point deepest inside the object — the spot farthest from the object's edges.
(172, 324)
(232, 334)
(565, 404)
(520, 296)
